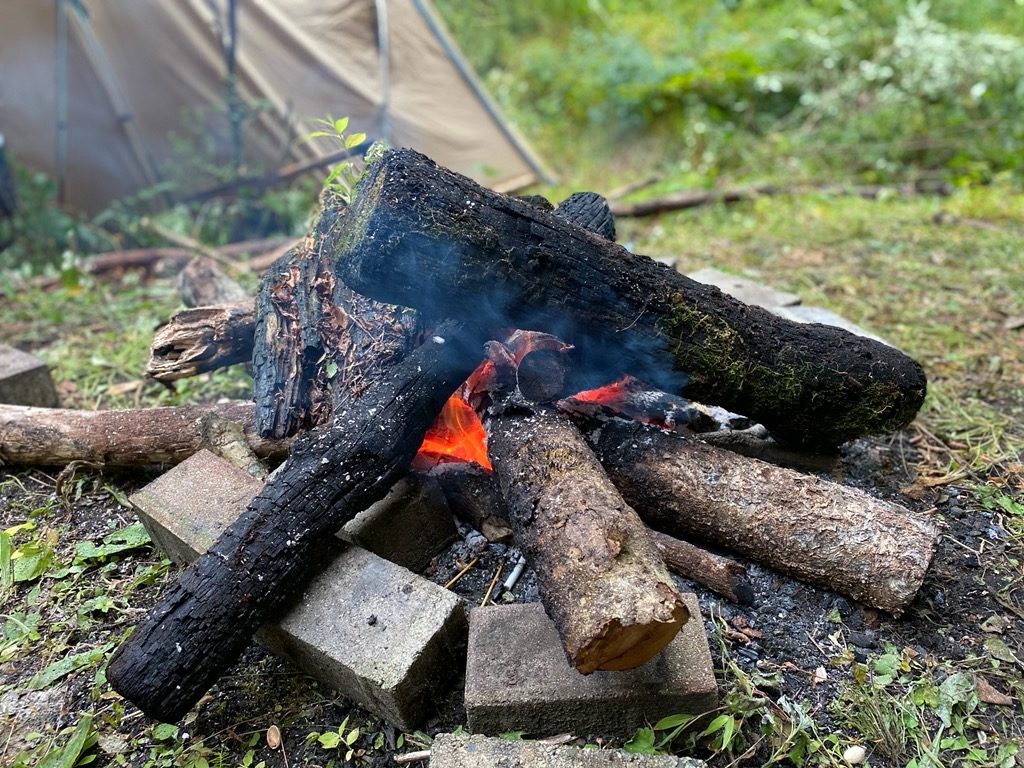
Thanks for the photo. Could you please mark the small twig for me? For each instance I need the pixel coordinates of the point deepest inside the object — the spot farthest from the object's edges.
(461, 573)
(817, 645)
(490, 588)
(947, 537)
(412, 757)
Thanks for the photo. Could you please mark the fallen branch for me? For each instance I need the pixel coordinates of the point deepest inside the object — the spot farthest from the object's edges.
(129, 438)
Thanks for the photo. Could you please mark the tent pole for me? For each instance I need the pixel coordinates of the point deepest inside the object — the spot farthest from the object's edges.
(485, 98)
(384, 56)
(235, 113)
(62, 99)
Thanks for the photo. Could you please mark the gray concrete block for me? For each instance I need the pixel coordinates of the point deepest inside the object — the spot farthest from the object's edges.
(381, 635)
(465, 751)
(25, 380)
(809, 314)
(409, 526)
(517, 678)
(744, 289)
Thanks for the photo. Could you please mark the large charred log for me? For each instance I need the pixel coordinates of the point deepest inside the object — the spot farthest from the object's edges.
(840, 538)
(202, 339)
(128, 438)
(425, 237)
(206, 619)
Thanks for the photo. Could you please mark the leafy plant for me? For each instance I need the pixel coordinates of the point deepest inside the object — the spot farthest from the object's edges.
(343, 175)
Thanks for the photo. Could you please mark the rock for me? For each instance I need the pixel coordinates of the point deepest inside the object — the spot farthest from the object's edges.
(25, 380)
(472, 751)
(855, 755)
(746, 290)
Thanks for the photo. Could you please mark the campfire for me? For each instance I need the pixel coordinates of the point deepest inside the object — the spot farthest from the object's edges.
(386, 341)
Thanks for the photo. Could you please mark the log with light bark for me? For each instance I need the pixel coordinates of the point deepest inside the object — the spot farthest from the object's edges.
(425, 237)
(841, 538)
(128, 438)
(473, 496)
(202, 283)
(601, 579)
(205, 620)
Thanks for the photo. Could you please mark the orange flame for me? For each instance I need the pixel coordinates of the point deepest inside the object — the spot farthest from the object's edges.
(610, 394)
(456, 435)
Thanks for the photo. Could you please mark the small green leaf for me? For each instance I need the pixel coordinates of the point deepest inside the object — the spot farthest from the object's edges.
(512, 735)
(6, 569)
(717, 724)
(331, 369)
(69, 754)
(329, 740)
(354, 140)
(340, 125)
(31, 560)
(641, 743)
(133, 536)
(672, 721)
(352, 737)
(887, 664)
(47, 676)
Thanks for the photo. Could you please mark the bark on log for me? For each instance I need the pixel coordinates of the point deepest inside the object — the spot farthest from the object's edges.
(130, 438)
(425, 237)
(601, 579)
(318, 344)
(473, 496)
(840, 538)
(202, 339)
(203, 622)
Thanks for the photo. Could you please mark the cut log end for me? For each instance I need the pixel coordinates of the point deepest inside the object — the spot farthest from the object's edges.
(620, 646)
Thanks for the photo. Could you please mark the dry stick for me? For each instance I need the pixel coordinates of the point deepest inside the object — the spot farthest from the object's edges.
(717, 573)
(818, 531)
(429, 238)
(203, 622)
(128, 438)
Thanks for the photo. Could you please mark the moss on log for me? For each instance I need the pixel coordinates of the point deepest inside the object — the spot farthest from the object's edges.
(425, 237)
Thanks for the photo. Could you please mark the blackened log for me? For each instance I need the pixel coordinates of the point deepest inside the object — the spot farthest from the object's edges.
(202, 339)
(602, 581)
(318, 345)
(128, 438)
(837, 537)
(425, 237)
(205, 620)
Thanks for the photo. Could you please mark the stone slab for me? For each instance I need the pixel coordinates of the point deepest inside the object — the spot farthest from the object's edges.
(746, 290)
(474, 751)
(518, 678)
(25, 380)
(811, 314)
(409, 526)
(386, 638)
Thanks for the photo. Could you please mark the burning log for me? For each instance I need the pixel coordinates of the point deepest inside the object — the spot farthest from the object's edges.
(425, 237)
(841, 538)
(601, 579)
(129, 438)
(318, 345)
(203, 622)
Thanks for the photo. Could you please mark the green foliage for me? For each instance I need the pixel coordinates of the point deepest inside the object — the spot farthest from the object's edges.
(344, 174)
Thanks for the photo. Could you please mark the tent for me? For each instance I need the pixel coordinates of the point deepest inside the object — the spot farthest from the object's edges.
(94, 92)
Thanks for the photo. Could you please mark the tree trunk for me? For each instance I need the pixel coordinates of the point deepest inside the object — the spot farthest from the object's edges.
(130, 438)
(828, 534)
(203, 622)
(425, 237)
(202, 339)
(601, 579)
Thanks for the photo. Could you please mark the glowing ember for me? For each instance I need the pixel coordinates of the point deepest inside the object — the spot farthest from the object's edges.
(610, 394)
(456, 435)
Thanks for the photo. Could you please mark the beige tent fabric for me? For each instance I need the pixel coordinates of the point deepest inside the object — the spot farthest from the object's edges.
(146, 78)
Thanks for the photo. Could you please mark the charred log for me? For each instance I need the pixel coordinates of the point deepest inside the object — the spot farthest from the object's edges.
(203, 622)
(423, 236)
(202, 339)
(840, 538)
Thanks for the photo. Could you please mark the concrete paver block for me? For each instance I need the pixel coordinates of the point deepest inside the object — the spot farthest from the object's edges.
(25, 380)
(473, 751)
(810, 314)
(409, 526)
(383, 636)
(517, 678)
(744, 289)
